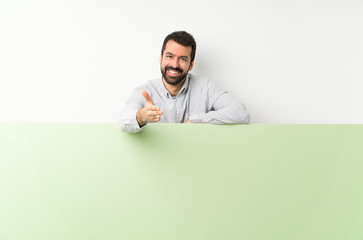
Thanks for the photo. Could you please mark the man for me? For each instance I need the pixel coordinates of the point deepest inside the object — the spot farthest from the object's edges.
(178, 96)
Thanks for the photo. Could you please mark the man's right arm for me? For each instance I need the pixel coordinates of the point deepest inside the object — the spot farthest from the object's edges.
(138, 111)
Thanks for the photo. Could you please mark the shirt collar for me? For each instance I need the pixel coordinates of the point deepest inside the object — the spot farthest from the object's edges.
(184, 88)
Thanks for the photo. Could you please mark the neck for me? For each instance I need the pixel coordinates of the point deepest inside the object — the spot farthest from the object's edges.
(173, 89)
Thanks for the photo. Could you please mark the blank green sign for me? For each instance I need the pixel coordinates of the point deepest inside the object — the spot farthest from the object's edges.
(181, 181)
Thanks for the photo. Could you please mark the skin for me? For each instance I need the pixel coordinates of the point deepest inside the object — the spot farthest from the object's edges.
(175, 56)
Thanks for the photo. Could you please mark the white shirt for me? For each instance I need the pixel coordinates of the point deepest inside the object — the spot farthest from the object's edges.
(199, 100)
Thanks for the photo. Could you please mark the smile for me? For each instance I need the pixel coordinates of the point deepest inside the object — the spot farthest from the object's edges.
(174, 72)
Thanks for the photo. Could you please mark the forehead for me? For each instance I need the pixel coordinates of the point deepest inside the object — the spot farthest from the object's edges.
(177, 49)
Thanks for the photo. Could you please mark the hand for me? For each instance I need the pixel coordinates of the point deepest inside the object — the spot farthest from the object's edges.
(149, 113)
(188, 121)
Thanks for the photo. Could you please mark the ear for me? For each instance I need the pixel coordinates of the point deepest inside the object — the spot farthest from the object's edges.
(191, 65)
(161, 57)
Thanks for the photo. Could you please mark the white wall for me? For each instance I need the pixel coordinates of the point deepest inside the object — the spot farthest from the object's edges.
(77, 61)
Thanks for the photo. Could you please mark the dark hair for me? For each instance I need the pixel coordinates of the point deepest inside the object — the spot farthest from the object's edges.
(183, 38)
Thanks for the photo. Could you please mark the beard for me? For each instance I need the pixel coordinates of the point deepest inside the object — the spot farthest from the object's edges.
(173, 80)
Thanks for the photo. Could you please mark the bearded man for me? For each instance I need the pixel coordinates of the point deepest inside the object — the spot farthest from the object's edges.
(179, 96)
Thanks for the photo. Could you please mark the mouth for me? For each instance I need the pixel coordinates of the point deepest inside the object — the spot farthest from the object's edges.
(174, 72)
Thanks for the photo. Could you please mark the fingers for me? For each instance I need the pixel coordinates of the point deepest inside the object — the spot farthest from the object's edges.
(156, 118)
(150, 115)
(151, 107)
(147, 97)
(153, 113)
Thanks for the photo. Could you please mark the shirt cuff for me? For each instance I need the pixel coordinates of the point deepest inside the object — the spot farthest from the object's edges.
(130, 124)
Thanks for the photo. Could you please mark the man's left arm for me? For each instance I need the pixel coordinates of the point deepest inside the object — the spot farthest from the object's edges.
(225, 109)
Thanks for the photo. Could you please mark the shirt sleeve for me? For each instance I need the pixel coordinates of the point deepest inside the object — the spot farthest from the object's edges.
(127, 121)
(224, 108)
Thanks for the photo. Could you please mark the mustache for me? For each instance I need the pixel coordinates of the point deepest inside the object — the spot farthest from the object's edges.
(174, 69)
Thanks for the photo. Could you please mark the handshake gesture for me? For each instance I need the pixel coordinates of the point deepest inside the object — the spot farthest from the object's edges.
(150, 112)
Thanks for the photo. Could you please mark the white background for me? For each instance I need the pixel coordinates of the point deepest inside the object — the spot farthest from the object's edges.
(78, 61)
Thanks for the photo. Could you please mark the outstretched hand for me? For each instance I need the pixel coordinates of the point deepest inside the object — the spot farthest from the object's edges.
(150, 112)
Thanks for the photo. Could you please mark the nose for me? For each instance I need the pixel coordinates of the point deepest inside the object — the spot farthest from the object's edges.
(175, 63)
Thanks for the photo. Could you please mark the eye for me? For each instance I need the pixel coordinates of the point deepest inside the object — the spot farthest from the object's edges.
(168, 56)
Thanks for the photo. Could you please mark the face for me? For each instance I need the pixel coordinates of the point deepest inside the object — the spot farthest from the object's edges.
(175, 63)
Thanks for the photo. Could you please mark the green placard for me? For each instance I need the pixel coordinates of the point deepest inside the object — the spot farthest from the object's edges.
(181, 181)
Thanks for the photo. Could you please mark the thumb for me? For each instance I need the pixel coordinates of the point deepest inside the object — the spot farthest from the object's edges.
(147, 97)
